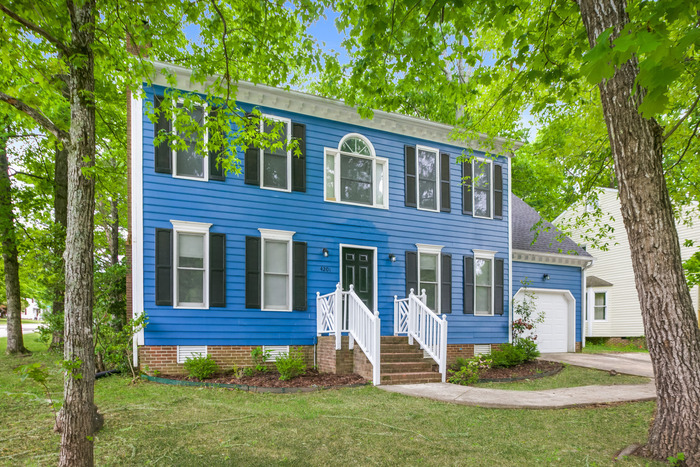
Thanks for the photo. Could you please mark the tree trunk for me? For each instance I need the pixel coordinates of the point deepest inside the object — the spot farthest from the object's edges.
(78, 419)
(672, 332)
(15, 342)
(60, 208)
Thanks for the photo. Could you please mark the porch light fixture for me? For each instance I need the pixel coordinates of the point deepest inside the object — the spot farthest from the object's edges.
(545, 277)
(325, 252)
(392, 257)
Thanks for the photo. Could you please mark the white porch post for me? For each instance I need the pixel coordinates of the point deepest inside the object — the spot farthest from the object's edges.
(376, 370)
(338, 315)
(443, 350)
(396, 315)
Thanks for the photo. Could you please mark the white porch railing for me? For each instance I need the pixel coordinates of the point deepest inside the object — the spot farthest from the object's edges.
(352, 317)
(413, 317)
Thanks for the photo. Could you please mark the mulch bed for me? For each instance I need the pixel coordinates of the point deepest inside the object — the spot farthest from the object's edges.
(529, 370)
(311, 379)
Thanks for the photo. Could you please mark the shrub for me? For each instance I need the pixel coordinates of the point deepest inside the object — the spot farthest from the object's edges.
(249, 371)
(508, 356)
(291, 365)
(201, 367)
(468, 372)
(260, 358)
(529, 347)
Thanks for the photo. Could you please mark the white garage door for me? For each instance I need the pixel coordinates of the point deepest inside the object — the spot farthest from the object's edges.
(554, 333)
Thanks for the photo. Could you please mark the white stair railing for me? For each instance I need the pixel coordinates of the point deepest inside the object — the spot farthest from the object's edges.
(343, 311)
(425, 327)
(401, 313)
(364, 327)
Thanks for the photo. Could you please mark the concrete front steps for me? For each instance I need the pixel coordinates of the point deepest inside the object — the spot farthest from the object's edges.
(404, 364)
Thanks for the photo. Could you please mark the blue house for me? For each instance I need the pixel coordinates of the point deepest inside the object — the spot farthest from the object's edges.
(366, 251)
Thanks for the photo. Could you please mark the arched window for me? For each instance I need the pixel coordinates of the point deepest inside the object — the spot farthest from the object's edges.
(355, 175)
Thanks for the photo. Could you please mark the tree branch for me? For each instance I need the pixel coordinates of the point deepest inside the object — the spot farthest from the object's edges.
(690, 140)
(38, 117)
(675, 127)
(37, 29)
(223, 41)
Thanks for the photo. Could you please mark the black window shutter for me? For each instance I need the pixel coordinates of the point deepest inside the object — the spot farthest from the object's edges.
(498, 191)
(299, 280)
(251, 165)
(445, 205)
(163, 153)
(468, 285)
(410, 170)
(252, 272)
(299, 163)
(164, 267)
(216, 169)
(498, 288)
(467, 182)
(217, 270)
(412, 272)
(446, 289)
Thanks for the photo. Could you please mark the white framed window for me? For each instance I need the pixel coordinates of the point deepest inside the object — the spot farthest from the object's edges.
(276, 258)
(188, 163)
(191, 272)
(354, 174)
(276, 162)
(483, 282)
(429, 266)
(600, 306)
(482, 188)
(428, 173)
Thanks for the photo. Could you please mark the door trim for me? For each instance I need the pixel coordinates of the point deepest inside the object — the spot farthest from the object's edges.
(571, 311)
(360, 247)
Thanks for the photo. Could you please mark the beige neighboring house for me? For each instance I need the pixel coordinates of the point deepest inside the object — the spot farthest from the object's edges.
(612, 305)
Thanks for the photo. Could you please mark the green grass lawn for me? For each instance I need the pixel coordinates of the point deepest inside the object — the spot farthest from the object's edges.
(606, 348)
(569, 377)
(147, 423)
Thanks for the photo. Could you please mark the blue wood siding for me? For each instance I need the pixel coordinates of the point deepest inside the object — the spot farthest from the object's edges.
(560, 278)
(238, 210)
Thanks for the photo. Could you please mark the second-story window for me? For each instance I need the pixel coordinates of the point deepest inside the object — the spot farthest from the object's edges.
(483, 188)
(428, 176)
(276, 160)
(355, 175)
(187, 161)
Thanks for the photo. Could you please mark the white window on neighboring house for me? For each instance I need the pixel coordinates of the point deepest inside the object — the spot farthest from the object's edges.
(276, 160)
(187, 162)
(355, 175)
(276, 270)
(191, 264)
(482, 188)
(428, 171)
(483, 283)
(600, 306)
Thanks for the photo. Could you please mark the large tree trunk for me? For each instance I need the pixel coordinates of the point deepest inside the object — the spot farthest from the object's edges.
(78, 419)
(15, 342)
(672, 332)
(60, 208)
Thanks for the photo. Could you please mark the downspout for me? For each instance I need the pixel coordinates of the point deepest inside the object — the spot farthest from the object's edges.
(584, 304)
(510, 255)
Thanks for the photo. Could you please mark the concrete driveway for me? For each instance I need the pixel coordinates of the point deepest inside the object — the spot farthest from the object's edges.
(27, 328)
(630, 363)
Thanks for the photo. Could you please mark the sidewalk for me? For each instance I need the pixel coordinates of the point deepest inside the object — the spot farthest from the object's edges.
(634, 364)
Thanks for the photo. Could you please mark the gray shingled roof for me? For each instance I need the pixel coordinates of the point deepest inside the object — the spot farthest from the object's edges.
(524, 218)
(595, 281)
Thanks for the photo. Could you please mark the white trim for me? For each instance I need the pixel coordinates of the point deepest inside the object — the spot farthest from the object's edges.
(438, 180)
(289, 153)
(571, 315)
(597, 290)
(276, 350)
(173, 151)
(376, 275)
(434, 249)
(551, 258)
(337, 154)
(482, 349)
(437, 251)
(196, 228)
(510, 256)
(482, 160)
(137, 216)
(490, 256)
(298, 102)
(277, 236)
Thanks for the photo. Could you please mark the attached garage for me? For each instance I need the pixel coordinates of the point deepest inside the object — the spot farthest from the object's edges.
(557, 332)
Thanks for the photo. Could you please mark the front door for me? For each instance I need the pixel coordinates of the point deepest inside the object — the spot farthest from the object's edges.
(358, 270)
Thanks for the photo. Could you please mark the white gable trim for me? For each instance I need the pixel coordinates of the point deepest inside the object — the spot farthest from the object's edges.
(551, 258)
(307, 104)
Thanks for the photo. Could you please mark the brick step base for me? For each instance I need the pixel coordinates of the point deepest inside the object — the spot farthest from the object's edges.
(411, 378)
(402, 357)
(406, 367)
(403, 363)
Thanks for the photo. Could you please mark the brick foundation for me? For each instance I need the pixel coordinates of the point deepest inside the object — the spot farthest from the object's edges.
(343, 361)
(163, 358)
(578, 347)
